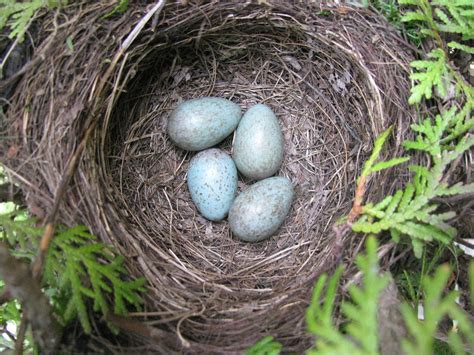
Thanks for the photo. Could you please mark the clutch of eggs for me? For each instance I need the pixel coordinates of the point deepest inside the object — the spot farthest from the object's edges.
(258, 211)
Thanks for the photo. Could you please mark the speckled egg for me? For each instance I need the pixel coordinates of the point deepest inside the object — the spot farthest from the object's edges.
(258, 146)
(201, 123)
(212, 182)
(259, 211)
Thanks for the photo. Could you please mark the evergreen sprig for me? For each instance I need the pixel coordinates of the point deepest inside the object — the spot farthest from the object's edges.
(437, 306)
(371, 165)
(20, 14)
(429, 74)
(450, 16)
(409, 211)
(85, 269)
(265, 346)
(358, 333)
(437, 17)
(455, 16)
(360, 311)
(78, 269)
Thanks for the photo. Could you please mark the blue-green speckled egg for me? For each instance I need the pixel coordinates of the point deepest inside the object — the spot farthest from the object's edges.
(260, 210)
(212, 182)
(258, 146)
(201, 123)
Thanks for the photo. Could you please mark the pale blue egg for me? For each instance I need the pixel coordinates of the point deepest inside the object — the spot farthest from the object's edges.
(212, 182)
(202, 123)
(258, 146)
(260, 210)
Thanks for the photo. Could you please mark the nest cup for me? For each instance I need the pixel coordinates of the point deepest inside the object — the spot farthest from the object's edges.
(335, 78)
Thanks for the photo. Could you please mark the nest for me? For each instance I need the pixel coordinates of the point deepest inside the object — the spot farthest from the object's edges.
(334, 76)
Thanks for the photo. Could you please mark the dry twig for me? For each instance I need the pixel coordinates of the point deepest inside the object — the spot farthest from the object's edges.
(36, 307)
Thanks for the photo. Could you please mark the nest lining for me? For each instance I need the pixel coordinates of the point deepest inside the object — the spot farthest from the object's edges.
(334, 80)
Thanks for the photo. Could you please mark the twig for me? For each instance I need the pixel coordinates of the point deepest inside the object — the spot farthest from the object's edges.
(156, 335)
(468, 196)
(36, 308)
(20, 337)
(342, 229)
(357, 205)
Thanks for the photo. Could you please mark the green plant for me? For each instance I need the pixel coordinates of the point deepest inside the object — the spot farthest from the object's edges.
(20, 14)
(437, 306)
(410, 274)
(409, 211)
(81, 269)
(357, 332)
(436, 18)
(265, 346)
(10, 318)
(360, 335)
(78, 268)
(120, 8)
(449, 16)
(391, 11)
(444, 139)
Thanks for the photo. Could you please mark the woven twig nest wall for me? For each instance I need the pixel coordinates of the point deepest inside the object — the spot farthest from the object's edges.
(334, 76)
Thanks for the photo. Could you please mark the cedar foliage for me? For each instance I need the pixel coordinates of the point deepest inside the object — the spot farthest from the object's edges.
(78, 269)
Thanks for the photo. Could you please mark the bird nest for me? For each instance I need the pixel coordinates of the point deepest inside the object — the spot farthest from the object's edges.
(334, 76)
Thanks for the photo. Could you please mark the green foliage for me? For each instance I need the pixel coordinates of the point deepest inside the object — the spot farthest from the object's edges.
(429, 73)
(437, 306)
(21, 13)
(360, 311)
(265, 346)
(10, 315)
(10, 320)
(437, 17)
(358, 332)
(78, 269)
(455, 16)
(451, 16)
(120, 8)
(410, 276)
(390, 10)
(370, 166)
(83, 269)
(409, 211)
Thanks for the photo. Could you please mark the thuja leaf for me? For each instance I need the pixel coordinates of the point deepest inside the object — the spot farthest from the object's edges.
(389, 164)
(265, 346)
(91, 273)
(437, 305)
(359, 311)
(428, 74)
(378, 145)
(18, 14)
(120, 8)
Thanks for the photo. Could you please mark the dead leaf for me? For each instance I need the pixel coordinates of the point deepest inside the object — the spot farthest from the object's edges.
(12, 152)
